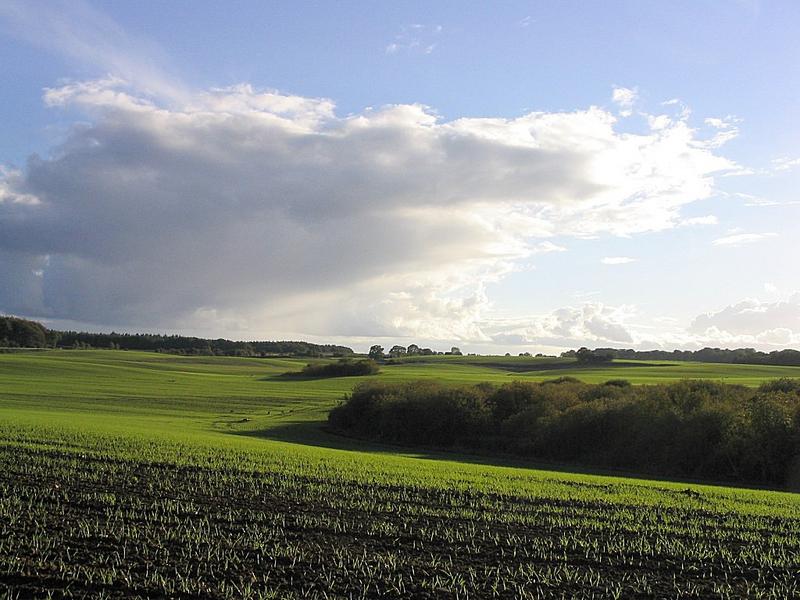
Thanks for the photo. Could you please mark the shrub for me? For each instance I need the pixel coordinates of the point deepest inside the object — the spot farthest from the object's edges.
(784, 384)
(416, 413)
(345, 367)
(560, 380)
(691, 428)
(621, 383)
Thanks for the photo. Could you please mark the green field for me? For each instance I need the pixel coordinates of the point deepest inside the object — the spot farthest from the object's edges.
(126, 474)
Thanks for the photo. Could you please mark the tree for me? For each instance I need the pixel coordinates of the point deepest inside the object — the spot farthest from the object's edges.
(412, 349)
(22, 333)
(397, 350)
(376, 352)
(455, 350)
(586, 356)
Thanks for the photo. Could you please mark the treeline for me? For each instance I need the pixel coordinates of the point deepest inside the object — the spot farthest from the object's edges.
(749, 356)
(376, 351)
(692, 428)
(22, 333)
(344, 367)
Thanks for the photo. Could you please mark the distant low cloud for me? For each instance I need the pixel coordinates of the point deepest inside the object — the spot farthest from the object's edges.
(749, 323)
(753, 322)
(591, 323)
(252, 212)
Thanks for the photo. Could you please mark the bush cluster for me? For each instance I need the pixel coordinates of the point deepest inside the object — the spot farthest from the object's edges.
(345, 367)
(692, 428)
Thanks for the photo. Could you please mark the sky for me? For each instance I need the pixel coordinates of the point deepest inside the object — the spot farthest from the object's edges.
(504, 177)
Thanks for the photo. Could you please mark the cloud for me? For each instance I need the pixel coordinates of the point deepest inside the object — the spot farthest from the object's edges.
(752, 201)
(547, 246)
(617, 260)
(658, 122)
(763, 202)
(268, 213)
(9, 179)
(74, 30)
(756, 202)
(749, 323)
(726, 129)
(704, 220)
(740, 239)
(415, 39)
(591, 323)
(684, 112)
(753, 322)
(625, 99)
(785, 164)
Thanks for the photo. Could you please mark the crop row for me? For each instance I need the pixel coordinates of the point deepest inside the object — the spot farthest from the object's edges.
(75, 526)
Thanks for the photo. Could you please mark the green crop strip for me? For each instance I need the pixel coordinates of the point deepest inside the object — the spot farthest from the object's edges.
(129, 474)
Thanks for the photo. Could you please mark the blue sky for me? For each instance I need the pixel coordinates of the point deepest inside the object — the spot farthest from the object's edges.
(505, 176)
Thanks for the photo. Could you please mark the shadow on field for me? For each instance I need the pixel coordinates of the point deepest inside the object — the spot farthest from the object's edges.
(289, 376)
(316, 434)
(570, 366)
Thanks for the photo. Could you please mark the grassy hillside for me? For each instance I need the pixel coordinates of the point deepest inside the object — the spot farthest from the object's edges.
(128, 474)
(208, 395)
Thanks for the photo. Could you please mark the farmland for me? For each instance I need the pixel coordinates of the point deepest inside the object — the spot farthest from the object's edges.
(127, 474)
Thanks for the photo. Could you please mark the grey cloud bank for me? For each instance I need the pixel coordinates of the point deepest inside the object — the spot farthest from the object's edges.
(254, 211)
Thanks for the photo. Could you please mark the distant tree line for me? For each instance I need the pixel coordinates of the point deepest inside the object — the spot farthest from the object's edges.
(344, 367)
(376, 352)
(748, 356)
(692, 428)
(22, 333)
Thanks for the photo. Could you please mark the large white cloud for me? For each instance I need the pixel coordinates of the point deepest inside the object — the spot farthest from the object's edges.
(269, 213)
